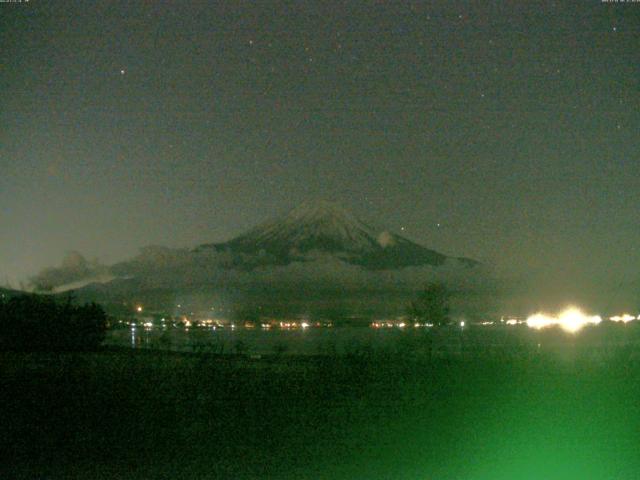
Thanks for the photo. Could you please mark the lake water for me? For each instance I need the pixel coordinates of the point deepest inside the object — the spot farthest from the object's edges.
(345, 340)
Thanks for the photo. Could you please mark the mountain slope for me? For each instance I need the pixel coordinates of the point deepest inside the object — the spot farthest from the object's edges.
(323, 228)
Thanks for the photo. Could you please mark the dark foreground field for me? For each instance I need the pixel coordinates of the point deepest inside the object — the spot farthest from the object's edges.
(145, 415)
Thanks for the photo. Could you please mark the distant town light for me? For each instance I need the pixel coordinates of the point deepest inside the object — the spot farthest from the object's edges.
(570, 320)
(539, 321)
(462, 324)
(624, 318)
(138, 309)
(573, 320)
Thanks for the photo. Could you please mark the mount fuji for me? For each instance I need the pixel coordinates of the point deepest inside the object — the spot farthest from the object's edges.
(319, 229)
(317, 257)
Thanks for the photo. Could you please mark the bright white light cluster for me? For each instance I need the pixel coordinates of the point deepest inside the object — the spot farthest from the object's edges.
(624, 318)
(571, 320)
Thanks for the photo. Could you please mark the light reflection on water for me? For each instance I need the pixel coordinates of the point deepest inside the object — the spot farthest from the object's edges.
(341, 340)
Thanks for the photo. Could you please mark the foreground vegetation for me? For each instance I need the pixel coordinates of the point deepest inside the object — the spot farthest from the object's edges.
(142, 414)
(43, 323)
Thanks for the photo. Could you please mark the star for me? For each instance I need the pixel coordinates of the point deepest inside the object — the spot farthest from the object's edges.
(123, 71)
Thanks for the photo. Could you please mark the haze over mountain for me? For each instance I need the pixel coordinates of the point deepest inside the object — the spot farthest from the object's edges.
(316, 253)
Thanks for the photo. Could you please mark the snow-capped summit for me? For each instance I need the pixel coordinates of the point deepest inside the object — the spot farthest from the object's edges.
(321, 226)
(324, 228)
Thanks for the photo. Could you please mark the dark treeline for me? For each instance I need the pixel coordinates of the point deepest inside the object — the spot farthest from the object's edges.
(41, 323)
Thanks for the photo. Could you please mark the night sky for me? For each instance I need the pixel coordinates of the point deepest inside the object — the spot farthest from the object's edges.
(505, 131)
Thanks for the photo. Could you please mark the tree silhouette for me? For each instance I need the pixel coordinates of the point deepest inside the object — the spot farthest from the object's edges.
(431, 305)
(34, 322)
